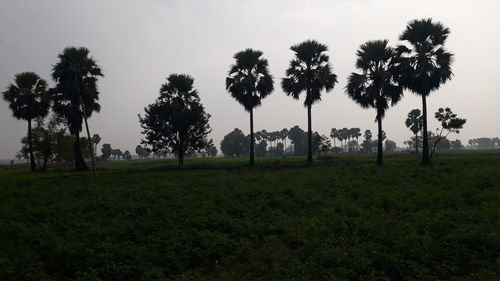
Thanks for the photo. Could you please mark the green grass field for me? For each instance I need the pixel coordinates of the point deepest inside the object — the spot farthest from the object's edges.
(342, 219)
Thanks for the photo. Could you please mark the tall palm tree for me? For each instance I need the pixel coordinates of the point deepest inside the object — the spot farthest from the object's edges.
(427, 65)
(249, 81)
(309, 72)
(377, 85)
(75, 95)
(28, 99)
(284, 136)
(333, 135)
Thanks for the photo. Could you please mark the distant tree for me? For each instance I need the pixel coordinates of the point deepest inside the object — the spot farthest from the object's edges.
(334, 135)
(106, 151)
(450, 123)
(233, 144)
(117, 154)
(356, 133)
(414, 122)
(211, 150)
(96, 139)
(426, 65)
(377, 85)
(127, 155)
(75, 94)
(456, 145)
(28, 99)
(366, 145)
(249, 82)
(390, 146)
(176, 122)
(309, 72)
(284, 136)
(299, 140)
(261, 148)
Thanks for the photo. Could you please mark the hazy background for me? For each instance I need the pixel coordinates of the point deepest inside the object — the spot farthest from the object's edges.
(139, 43)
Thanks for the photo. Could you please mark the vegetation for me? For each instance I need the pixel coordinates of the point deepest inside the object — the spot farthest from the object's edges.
(426, 65)
(309, 72)
(217, 220)
(378, 84)
(177, 122)
(28, 99)
(75, 94)
(249, 82)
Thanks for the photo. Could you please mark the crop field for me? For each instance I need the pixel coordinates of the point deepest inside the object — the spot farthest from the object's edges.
(341, 219)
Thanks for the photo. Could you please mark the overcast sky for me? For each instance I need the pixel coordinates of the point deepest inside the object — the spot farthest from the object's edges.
(139, 43)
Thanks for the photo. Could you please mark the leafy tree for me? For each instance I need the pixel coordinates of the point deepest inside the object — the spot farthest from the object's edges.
(233, 144)
(127, 155)
(299, 140)
(106, 151)
(390, 146)
(75, 94)
(261, 148)
(28, 99)
(142, 152)
(456, 145)
(414, 122)
(249, 82)
(426, 65)
(377, 85)
(211, 150)
(450, 123)
(117, 154)
(309, 72)
(176, 122)
(355, 133)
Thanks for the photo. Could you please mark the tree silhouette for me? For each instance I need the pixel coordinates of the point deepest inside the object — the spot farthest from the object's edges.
(426, 64)
(249, 82)
(28, 100)
(176, 122)
(233, 144)
(96, 139)
(75, 95)
(377, 85)
(284, 136)
(106, 151)
(450, 123)
(414, 122)
(309, 72)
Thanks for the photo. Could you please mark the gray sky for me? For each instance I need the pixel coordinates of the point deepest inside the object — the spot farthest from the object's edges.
(139, 43)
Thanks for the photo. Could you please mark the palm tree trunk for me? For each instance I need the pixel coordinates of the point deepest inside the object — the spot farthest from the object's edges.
(416, 143)
(88, 135)
(379, 145)
(30, 147)
(425, 145)
(309, 136)
(80, 164)
(252, 141)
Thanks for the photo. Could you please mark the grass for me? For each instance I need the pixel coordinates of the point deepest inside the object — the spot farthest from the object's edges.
(342, 219)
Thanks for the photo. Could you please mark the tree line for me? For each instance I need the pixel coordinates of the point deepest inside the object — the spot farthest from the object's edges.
(177, 122)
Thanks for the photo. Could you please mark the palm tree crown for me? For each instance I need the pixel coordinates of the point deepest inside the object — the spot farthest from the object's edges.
(248, 79)
(377, 85)
(309, 72)
(27, 96)
(427, 63)
(76, 76)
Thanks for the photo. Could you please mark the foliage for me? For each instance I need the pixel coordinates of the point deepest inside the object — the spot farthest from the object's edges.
(211, 150)
(218, 220)
(75, 94)
(234, 144)
(377, 86)
(450, 123)
(390, 146)
(176, 122)
(309, 72)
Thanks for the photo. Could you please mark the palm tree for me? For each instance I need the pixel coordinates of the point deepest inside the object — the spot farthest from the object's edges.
(75, 94)
(414, 123)
(427, 65)
(377, 85)
(309, 72)
(249, 81)
(333, 135)
(284, 136)
(28, 99)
